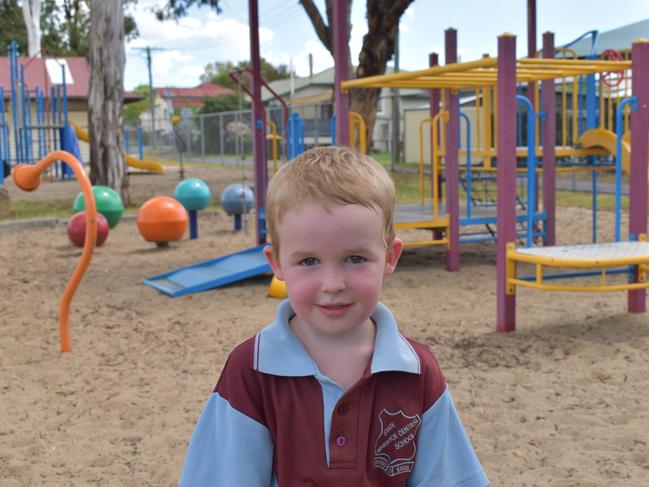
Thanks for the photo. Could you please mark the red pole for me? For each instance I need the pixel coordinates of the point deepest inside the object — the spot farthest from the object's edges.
(259, 140)
(341, 60)
(549, 137)
(452, 167)
(506, 175)
(636, 300)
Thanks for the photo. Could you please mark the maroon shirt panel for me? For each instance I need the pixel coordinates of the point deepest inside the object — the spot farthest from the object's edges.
(373, 429)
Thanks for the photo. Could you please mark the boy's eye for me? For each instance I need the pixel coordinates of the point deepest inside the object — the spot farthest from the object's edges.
(309, 261)
(356, 259)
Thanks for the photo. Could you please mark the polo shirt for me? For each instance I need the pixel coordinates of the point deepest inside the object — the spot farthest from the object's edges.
(275, 420)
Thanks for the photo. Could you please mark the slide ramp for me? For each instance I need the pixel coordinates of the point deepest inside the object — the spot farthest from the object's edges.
(212, 273)
(606, 139)
(130, 160)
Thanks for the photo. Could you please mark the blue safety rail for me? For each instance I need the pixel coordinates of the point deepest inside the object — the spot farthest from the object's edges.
(212, 273)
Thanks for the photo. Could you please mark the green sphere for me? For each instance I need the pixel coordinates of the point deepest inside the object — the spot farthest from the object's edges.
(108, 204)
(194, 194)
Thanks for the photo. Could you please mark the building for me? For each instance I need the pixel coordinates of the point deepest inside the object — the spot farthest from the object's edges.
(169, 101)
(47, 74)
(313, 97)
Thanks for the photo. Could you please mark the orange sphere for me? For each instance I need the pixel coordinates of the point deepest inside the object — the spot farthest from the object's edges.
(162, 219)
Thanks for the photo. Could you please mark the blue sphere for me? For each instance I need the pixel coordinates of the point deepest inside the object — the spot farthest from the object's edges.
(237, 199)
(193, 194)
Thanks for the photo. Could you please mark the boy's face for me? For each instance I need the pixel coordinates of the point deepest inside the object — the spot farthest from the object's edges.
(333, 264)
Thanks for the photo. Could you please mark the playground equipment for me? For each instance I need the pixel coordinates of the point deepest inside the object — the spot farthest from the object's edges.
(76, 229)
(162, 219)
(28, 178)
(237, 200)
(33, 139)
(494, 82)
(108, 201)
(194, 195)
(145, 165)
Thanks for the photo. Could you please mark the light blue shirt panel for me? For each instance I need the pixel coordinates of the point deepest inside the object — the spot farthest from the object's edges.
(331, 394)
(444, 455)
(228, 448)
(279, 352)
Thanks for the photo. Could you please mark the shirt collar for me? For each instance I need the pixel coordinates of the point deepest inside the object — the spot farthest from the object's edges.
(279, 352)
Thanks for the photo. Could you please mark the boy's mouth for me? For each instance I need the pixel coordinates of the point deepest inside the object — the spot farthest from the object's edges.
(334, 309)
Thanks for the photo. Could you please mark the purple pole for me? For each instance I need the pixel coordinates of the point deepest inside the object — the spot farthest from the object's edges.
(433, 109)
(506, 175)
(259, 141)
(341, 60)
(452, 169)
(636, 299)
(549, 138)
(531, 42)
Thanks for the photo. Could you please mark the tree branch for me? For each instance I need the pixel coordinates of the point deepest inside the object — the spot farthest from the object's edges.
(322, 30)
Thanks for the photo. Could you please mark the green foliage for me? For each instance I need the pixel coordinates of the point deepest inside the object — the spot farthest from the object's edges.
(133, 110)
(175, 9)
(65, 26)
(12, 26)
(224, 103)
(219, 73)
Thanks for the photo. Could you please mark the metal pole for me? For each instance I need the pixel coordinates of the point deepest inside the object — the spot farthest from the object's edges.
(341, 61)
(396, 126)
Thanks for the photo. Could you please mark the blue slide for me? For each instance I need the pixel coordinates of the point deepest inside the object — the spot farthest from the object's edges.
(212, 273)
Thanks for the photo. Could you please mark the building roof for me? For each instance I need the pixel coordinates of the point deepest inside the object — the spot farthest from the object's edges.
(618, 38)
(46, 72)
(192, 97)
(323, 80)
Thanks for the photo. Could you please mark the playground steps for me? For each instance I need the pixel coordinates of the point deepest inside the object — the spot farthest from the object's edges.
(212, 273)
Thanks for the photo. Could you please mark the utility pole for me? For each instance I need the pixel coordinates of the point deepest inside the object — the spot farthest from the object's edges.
(395, 109)
(148, 50)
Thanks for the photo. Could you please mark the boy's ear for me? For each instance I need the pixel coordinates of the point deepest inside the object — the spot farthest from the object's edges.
(273, 261)
(392, 256)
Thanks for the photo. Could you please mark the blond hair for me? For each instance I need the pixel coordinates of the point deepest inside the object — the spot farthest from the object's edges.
(326, 176)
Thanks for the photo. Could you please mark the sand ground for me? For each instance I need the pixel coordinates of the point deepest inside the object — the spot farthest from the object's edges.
(561, 402)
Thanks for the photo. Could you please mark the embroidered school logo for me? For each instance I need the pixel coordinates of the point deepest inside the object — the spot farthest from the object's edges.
(395, 447)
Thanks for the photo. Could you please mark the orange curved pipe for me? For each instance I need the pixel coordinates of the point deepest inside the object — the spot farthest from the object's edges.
(28, 177)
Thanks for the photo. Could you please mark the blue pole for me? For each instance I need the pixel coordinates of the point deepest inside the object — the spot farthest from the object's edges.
(193, 224)
(469, 176)
(531, 166)
(332, 129)
(13, 60)
(591, 123)
(126, 147)
(140, 148)
(633, 102)
(26, 110)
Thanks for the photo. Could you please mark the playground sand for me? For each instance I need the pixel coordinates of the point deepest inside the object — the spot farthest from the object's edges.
(560, 402)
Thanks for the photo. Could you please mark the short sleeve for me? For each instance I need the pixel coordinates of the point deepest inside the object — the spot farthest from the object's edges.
(227, 448)
(444, 455)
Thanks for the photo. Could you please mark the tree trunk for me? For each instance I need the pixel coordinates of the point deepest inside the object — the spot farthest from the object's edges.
(378, 47)
(32, 17)
(105, 98)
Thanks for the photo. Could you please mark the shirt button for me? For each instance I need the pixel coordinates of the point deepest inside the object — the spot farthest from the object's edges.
(341, 440)
(342, 408)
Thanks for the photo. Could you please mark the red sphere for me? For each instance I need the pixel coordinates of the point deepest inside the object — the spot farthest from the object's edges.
(77, 229)
(162, 219)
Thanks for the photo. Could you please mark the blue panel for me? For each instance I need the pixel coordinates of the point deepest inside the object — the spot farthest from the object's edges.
(212, 273)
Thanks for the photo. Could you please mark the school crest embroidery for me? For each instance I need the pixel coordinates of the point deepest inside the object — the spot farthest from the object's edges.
(395, 447)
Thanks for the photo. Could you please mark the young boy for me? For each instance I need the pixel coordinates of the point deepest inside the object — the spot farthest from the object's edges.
(331, 394)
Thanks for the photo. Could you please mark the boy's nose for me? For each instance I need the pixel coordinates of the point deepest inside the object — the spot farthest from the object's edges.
(333, 282)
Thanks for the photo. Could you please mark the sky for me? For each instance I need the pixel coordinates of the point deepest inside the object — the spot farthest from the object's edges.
(182, 49)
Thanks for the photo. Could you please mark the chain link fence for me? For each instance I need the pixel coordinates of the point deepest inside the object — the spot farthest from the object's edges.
(225, 137)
